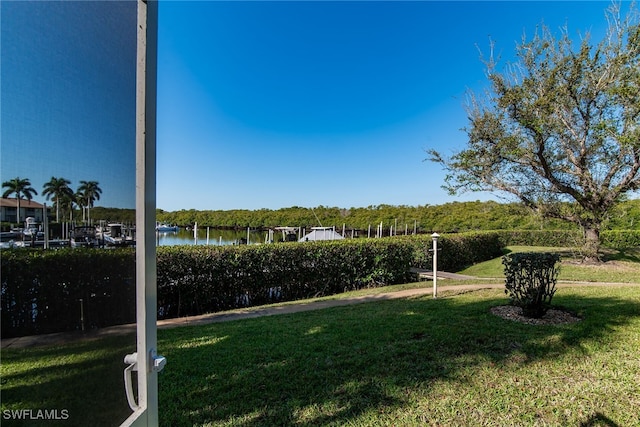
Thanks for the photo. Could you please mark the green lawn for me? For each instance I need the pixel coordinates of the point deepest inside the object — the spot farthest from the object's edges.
(620, 266)
(406, 362)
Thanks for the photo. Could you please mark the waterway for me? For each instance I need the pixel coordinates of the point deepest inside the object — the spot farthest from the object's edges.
(212, 236)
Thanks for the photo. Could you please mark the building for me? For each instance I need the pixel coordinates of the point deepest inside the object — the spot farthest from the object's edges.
(8, 210)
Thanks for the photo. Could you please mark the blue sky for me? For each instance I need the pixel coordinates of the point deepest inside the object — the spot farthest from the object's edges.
(276, 104)
(68, 95)
(260, 104)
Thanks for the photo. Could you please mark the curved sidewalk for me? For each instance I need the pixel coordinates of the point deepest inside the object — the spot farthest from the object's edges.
(252, 312)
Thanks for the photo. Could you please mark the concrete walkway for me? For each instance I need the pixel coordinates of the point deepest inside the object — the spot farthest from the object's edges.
(251, 312)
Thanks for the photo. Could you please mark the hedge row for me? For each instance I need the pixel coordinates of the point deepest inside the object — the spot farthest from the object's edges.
(41, 290)
(620, 239)
(200, 279)
(52, 291)
(63, 290)
(617, 239)
(456, 251)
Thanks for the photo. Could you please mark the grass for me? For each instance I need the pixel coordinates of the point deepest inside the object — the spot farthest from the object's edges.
(623, 267)
(406, 362)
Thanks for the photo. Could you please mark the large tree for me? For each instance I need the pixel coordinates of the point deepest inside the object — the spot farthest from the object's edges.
(21, 187)
(58, 189)
(559, 128)
(88, 192)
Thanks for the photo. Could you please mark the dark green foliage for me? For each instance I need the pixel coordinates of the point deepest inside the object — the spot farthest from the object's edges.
(200, 279)
(617, 239)
(456, 251)
(530, 280)
(620, 239)
(41, 290)
(555, 238)
(447, 218)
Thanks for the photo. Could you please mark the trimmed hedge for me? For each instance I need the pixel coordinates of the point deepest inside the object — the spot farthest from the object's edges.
(64, 290)
(456, 251)
(620, 239)
(41, 290)
(616, 239)
(200, 279)
(558, 238)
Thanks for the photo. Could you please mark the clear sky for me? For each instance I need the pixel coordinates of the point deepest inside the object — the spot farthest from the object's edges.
(277, 104)
(260, 104)
(68, 95)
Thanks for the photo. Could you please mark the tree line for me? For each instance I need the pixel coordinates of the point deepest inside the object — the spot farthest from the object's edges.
(449, 217)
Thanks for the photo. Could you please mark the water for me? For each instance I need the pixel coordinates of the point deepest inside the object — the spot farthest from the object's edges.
(216, 237)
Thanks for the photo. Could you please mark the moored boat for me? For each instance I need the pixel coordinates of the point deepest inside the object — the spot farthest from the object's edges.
(166, 228)
(84, 236)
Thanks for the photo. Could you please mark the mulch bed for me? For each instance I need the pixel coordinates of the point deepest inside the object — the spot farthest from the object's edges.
(553, 316)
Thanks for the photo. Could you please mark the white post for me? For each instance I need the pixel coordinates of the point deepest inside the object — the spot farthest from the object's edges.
(248, 229)
(207, 236)
(45, 226)
(195, 233)
(435, 237)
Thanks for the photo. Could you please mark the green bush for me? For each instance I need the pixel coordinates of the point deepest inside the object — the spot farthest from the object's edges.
(531, 280)
(456, 251)
(41, 290)
(66, 289)
(199, 279)
(620, 239)
(556, 238)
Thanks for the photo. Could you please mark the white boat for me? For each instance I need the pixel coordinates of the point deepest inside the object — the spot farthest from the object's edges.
(84, 236)
(321, 233)
(113, 234)
(32, 230)
(8, 239)
(166, 228)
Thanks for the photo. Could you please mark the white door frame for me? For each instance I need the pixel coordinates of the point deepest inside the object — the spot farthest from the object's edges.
(145, 360)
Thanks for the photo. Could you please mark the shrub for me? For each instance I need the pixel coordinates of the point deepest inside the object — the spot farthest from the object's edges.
(561, 238)
(456, 251)
(66, 289)
(53, 291)
(620, 239)
(531, 280)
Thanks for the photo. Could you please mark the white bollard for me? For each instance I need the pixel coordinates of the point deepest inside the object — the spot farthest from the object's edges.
(435, 237)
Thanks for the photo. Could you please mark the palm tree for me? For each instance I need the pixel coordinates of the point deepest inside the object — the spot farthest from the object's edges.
(88, 192)
(57, 188)
(66, 204)
(21, 187)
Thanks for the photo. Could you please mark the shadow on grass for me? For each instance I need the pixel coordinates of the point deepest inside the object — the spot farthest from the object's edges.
(344, 364)
(84, 379)
(631, 255)
(599, 420)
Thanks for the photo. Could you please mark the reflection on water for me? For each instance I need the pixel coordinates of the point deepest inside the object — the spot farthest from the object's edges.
(210, 237)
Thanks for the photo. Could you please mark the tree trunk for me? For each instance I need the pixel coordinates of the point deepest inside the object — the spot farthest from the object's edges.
(591, 249)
